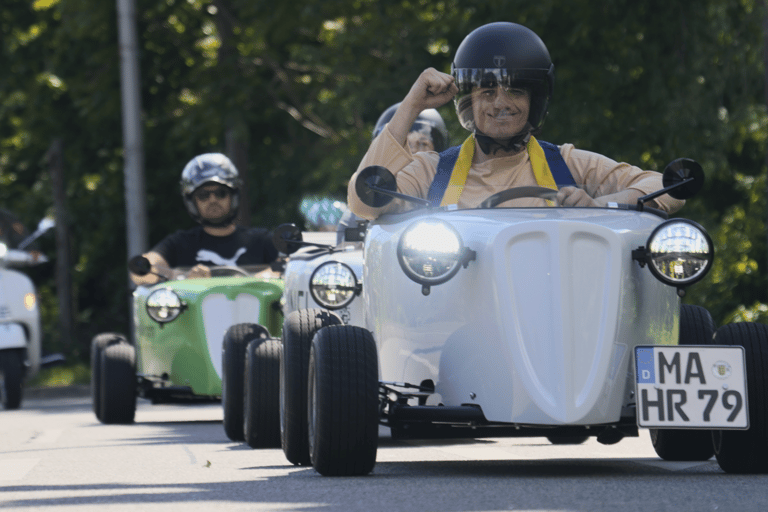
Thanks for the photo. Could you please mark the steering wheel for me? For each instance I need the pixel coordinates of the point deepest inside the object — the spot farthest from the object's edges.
(517, 193)
(228, 271)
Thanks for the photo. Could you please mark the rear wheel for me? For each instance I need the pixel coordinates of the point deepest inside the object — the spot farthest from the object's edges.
(98, 343)
(696, 328)
(343, 401)
(262, 394)
(11, 377)
(118, 379)
(233, 347)
(299, 328)
(746, 451)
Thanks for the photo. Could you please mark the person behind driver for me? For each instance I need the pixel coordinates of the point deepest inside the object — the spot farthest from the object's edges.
(210, 186)
(501, 82)
(428, 133)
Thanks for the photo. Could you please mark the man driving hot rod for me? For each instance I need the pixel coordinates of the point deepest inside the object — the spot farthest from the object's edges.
(501, 83)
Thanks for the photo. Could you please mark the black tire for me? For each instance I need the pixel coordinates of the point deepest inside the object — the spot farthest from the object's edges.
(562, 440)
(343, 404)
(696, 328)
(118, 383)
(233, 347)
(299, 328)
(746, 451)
(262, 394)
(11, 377)
(98, 343)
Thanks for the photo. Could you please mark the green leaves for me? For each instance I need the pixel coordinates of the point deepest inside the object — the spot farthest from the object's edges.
(301, 85)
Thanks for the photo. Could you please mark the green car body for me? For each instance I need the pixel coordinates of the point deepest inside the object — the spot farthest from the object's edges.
(182, 358)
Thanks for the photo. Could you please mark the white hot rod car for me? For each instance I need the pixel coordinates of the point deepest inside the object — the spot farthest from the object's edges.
(554, 322)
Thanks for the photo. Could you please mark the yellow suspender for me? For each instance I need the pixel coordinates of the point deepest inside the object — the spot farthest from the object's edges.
(461, 169)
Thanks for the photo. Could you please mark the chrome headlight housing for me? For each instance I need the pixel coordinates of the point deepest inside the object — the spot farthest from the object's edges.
(679, 252)
(430, 252)
(164, 305)
(333, 285)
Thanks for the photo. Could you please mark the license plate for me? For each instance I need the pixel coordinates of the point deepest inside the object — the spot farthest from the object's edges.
(691, 387)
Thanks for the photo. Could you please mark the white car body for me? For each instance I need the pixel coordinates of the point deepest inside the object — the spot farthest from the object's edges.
(302, 264)
(539, 329)
(20, 317)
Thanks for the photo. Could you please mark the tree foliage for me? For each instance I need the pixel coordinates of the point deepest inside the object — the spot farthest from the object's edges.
(302, 83)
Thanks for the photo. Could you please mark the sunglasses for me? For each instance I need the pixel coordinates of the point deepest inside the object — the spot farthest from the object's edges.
(203, 195)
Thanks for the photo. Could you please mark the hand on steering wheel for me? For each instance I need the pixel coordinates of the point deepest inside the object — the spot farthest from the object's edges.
(572, 196)
(517, 193)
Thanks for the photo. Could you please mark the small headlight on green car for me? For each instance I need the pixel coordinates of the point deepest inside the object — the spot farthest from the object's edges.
(333, 285)
(164, 305)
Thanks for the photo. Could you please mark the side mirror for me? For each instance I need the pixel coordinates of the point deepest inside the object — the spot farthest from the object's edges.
(682, 179)
(371, 181)
(287, 238)
(685, 175)
(45, 224)
(139, 265)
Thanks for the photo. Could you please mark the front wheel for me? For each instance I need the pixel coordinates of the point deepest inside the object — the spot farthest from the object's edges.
(233, 347)
(696, 328)
(11, 378)
(98, 344)
(343, 401)
(262, 394)
(299, 328)
(746, 451)
(118, 383)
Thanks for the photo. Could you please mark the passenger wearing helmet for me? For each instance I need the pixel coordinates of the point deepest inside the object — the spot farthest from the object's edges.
(501, 82)
(427, 133)
(210, 186)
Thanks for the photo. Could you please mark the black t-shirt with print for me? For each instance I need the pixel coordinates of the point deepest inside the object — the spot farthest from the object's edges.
(245, 246)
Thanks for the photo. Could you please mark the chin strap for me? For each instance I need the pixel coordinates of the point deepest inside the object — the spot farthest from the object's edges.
(515, 144)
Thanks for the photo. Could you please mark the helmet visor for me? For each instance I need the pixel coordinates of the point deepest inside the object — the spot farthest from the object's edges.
(470, 80)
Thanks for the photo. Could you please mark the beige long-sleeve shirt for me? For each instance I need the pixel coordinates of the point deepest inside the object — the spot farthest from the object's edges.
(596, 174)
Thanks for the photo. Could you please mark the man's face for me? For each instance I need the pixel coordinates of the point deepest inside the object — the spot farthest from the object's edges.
(500, 112)
(420, 141)
(213, 201)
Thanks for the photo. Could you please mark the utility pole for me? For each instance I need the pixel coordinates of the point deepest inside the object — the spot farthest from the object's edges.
(133, 146)
(64, 291)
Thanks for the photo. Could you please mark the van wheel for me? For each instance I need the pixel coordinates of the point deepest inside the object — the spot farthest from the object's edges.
(696, 328)
(262, 394)
(233, 347)
(98, 343)
(11, 378)
(746, 451)
(299, 328)
(118, 383)
(343, 404)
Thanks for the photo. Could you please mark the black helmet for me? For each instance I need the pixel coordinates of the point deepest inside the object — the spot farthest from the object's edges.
(210, 168)
(429, 121)
(508, 54)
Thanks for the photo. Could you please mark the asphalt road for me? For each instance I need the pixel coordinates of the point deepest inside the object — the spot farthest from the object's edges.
(53, 453)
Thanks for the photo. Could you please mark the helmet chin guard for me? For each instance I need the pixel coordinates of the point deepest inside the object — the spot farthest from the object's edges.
(210, 168)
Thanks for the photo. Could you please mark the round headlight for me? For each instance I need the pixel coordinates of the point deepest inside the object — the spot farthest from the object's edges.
(430, 251)
(164, 305)
(333, 285)
(680, 252)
